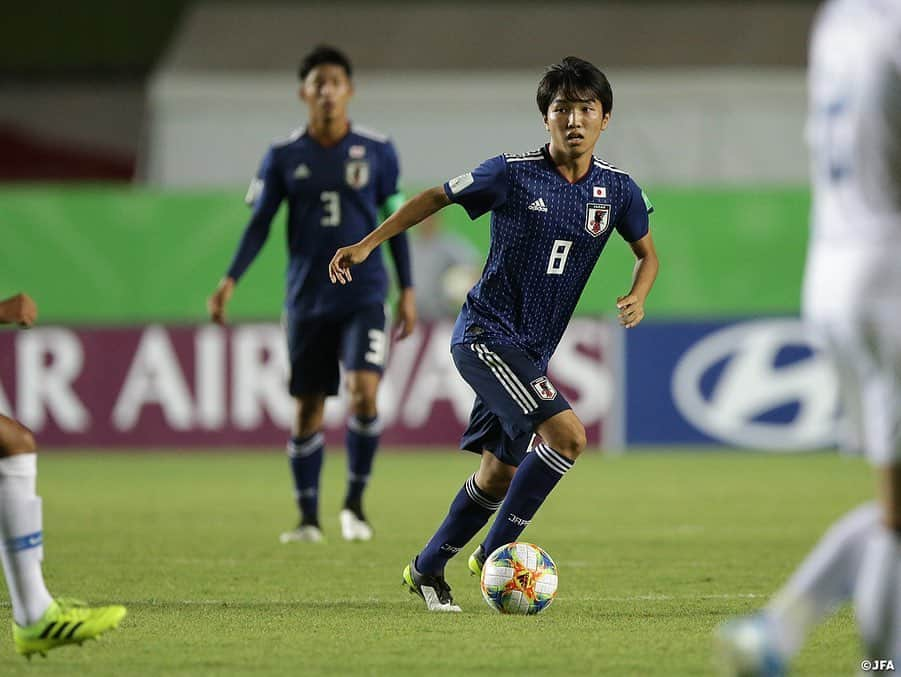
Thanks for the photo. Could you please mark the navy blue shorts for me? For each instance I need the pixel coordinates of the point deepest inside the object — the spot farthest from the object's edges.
(316, 347)
(513, 396)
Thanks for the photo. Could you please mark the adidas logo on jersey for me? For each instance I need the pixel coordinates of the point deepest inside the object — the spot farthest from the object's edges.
(538, 205)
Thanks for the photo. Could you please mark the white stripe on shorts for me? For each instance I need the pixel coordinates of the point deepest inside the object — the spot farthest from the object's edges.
(505, 368)
(527, 404)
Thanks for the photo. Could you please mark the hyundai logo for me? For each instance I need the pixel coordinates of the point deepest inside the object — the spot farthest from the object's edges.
(763, 384)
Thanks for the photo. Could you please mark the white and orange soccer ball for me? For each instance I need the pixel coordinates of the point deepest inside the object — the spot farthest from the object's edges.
(519, 578)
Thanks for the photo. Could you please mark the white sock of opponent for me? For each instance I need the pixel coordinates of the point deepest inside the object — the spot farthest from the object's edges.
(825, 579)
(877, 597)
(21, 538)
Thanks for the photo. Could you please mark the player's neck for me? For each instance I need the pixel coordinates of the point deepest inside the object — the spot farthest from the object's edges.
(328, 132)
(571, 167)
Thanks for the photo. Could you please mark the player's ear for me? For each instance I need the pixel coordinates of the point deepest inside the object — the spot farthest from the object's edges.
(604, 121)
(300, 94)
(546, 127)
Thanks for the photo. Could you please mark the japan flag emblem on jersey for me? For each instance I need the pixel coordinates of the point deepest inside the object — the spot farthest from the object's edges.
(356, 173)
(544, 388)
(597, 218)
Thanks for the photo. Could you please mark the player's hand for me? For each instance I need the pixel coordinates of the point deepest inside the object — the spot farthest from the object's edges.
(631, 310)
(215, 305)
(19, 309)
(406, 314)
(344, 258)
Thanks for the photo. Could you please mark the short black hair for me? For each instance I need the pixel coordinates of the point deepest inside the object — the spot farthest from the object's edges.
(576, 80)
(323, 54)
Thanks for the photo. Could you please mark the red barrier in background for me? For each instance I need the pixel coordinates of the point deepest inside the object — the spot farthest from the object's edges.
(198, 386)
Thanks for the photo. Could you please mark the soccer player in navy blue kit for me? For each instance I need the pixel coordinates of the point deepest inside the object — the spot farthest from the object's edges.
(552, 212)
(335, 177)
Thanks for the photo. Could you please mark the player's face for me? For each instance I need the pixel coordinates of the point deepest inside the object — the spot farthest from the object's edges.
(326, 91)
(575, 125)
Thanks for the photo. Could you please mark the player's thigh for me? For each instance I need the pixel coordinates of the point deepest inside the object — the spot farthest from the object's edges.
(15, 438)
(511, 389)
(484, 432)
(850, 301)
(313, 356)
(364, 340)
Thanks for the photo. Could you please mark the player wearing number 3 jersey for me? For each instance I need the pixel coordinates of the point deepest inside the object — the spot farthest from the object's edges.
(552, 212)
(336, 177)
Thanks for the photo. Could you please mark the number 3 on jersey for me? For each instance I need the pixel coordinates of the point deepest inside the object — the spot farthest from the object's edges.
(559, 252)
(331, 208)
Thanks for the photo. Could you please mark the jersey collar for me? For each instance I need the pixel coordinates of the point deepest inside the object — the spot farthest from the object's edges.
(545, 151)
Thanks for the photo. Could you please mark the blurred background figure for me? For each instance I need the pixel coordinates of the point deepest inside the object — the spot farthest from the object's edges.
(852, 294)
(445, 266)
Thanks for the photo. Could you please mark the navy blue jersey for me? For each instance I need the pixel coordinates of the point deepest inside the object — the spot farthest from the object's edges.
(546, 236)
(333, 197)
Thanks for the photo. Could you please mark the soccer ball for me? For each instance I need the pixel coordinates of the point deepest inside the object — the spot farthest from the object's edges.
(519, 578)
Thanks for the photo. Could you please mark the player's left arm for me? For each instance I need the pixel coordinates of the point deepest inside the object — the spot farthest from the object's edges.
(631, 306)
(633, 226)
(391, 200)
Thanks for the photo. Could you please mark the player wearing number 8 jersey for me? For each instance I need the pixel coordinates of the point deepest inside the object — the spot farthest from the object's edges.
(552, 212)
(336, 177)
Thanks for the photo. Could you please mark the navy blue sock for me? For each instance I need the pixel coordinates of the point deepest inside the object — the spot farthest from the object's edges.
(305, 455)
(535, 477)
(362, 442)
(470, 511)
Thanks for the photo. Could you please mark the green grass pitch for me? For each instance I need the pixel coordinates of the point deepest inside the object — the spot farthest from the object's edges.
(654, 550)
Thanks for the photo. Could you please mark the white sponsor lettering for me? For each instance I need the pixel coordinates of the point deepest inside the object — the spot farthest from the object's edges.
(435, 379)
(5, 407)
(591, 377)
(48, 362)
(209, 377)
(154, 377)
(259, 377)
(750, 386)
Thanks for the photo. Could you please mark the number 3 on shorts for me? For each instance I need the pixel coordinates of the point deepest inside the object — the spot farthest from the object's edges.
(377, 346)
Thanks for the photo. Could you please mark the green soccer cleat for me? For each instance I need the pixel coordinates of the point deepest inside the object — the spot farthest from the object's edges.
(65, 622)
(434, 590)
(477, 561)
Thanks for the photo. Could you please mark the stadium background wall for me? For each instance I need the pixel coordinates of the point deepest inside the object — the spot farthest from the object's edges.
(105, 255)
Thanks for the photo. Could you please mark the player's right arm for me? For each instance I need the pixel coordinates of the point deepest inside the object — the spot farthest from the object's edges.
(479, 191)
(414, 210)
(19, 309)
(265, 194)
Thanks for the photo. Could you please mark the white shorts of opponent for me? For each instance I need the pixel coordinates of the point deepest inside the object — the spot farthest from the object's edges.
(852, 299)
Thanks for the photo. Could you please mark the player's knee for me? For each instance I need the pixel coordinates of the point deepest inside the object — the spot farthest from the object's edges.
(363, 402)
(571, 443)
(17, 439)
(494, 482)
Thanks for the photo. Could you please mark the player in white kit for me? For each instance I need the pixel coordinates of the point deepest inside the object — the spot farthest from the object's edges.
(852, 298)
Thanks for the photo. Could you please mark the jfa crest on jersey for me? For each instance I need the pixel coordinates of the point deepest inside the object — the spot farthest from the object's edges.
(597, 218)
(546, 236)
(333, 195)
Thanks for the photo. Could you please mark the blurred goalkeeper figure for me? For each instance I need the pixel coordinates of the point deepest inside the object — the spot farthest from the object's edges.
(553, 211)
(40, 623)
(852, 296)
(336, 177)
